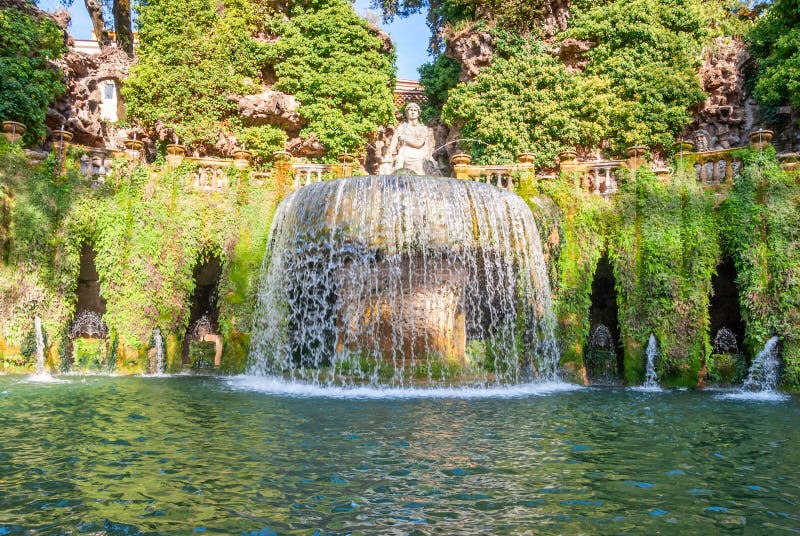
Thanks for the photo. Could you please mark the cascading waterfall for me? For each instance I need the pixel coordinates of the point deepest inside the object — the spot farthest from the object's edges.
(39, 369)
(763, 373)
(651, 376)
(158, 346)
(392, 279)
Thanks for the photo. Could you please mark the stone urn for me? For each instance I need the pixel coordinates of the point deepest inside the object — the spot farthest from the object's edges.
(241, 158)
(461, 159)
(13, 131)
(683, 146)
(61, 139)
(346, 163)
(663, 174)
(134, 144)
(637, 151)
(175, 155)
(526, 158)
(760, 138)
(282, 156)
(567, 156)
(790, 162)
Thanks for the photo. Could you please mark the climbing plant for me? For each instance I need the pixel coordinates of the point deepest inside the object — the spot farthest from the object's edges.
(29, 81)
(760, 232)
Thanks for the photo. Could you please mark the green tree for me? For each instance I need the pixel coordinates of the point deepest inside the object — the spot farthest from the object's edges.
(339, 70)
(775, 43)
(530, 102)
(29, 82)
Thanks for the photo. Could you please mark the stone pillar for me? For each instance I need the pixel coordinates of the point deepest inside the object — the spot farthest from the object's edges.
(567, 161)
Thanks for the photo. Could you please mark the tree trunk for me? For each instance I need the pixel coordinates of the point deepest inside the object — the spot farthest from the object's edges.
(122, 25)
(95, 9)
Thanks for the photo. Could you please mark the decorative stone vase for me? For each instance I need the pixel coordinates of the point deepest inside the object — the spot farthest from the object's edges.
(683, 146)
(61, 139)
(346, 158)
(175, 155)
(282, 156)
(790, 162)
(567, 156)
(241, 158)
(134, 145)
(663, 174)
(461, 159)
(526, 158)
(13, 131)
(760, 138)
(637, 151)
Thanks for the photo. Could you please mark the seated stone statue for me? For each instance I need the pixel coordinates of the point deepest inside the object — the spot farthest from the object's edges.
(411, 147)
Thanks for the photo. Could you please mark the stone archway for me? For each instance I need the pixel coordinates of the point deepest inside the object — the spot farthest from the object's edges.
(603, 355)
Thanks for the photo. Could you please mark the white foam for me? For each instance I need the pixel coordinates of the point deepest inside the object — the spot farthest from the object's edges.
(648, 389)
(277, 386)
(45, 378)
(757, 396)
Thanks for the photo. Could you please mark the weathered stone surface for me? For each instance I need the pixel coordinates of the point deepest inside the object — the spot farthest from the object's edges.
(472, 49)
(726, 116)
(555, 17)
(573, 53)
(79, 109)
(271, 108)
(308, 148)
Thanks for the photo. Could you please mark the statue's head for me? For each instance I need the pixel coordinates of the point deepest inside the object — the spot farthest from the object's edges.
(412, 111)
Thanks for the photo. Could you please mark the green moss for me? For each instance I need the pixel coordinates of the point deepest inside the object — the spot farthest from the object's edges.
(235, 353)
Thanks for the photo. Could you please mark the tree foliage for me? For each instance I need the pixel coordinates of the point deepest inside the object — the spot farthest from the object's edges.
(528, 101)
(335, 65)
(29, 81)
(775, 43)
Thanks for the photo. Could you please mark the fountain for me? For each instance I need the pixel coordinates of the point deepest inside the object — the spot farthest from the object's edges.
(39, 369)
(651, 377)
(601, 355)
(392, 279)
(158, 352)
(763, 373)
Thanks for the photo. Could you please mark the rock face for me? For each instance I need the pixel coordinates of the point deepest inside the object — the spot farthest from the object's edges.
(79, 109)
(573, 53)
(726, 116)
(271, 108)
(556, 17)
(472, 49)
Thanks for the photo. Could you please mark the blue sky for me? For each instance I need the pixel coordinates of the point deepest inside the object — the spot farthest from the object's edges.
(410, 35)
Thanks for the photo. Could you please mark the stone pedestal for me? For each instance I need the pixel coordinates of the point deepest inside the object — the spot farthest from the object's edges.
(13, 131)
(175, 155)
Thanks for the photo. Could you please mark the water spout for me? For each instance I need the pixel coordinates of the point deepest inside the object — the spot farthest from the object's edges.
(763, 373)
(39, 369)
(158, 346)
(651, 376)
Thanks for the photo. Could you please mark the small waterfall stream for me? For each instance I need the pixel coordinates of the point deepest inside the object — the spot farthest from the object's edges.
(651, 376)
(39, 369)
(763, 373)
(158, 346)
(393, 280)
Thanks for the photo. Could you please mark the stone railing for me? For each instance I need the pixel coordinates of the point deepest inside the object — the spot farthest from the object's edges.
(501, 176)
(714, 167)
(596, 176)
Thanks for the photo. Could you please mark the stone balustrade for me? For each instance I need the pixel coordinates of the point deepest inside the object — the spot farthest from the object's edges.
(715, 167)
(501, 176)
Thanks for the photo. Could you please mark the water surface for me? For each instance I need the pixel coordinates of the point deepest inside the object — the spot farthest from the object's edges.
(184, 454)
